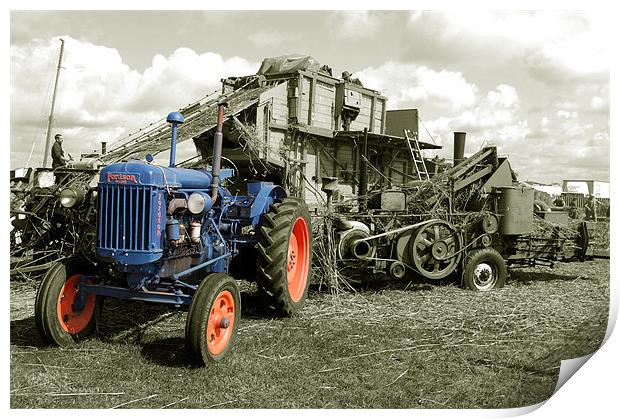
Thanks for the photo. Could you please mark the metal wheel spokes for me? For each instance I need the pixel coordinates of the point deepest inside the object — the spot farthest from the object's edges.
(220, 322)
(436, 249)
(485, 276)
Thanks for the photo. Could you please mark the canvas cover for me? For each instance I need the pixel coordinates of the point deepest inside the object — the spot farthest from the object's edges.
(288, 64)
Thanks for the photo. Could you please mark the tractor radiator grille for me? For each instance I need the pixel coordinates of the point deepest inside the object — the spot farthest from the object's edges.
(124, 217)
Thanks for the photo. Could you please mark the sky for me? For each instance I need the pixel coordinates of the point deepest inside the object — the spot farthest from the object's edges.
(535, 84)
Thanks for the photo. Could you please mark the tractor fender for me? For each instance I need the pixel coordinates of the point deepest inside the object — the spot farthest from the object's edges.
(267, 195)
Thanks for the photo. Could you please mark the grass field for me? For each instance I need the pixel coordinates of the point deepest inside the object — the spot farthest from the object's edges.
(389, 345)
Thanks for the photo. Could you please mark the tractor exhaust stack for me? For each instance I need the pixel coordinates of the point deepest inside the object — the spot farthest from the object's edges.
(217, 151)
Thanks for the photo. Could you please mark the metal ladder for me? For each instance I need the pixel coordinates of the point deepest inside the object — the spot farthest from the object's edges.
(416, 155)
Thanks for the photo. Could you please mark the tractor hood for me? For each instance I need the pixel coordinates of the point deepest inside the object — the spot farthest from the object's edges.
(138, 172)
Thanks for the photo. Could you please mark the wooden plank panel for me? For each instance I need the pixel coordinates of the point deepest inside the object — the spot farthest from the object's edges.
(363, 119)
(323, 105)
(276, 142)
(305, 98)
(378, 115)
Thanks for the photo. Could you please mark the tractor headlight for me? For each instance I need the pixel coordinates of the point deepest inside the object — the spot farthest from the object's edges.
(199, 202)
(71, 197)
(46, 179)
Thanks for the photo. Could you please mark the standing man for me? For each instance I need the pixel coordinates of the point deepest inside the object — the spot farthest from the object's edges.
(590, 208)
(58, 155)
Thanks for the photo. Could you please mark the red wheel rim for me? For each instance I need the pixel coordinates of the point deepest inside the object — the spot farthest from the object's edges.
(74, 321)
(297, 262)
(220, 323)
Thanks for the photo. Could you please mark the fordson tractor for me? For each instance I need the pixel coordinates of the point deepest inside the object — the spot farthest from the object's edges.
(168, 235)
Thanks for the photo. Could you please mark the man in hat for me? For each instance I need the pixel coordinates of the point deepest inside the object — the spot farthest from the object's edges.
(58, 155)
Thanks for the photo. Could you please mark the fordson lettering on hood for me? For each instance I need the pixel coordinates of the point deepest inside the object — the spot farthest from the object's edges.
(121, 178)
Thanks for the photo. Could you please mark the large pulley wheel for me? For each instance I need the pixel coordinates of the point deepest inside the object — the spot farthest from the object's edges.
(485, 269)
(435, 249)
(64, 313)
(213, 319)
(284, 255)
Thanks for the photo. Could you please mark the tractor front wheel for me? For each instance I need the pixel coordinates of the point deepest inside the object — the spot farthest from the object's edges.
(485, 270)
(64, 314)
(284, 256)
(213, 319)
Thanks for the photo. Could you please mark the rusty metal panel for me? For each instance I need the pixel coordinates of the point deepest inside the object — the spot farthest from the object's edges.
(398, 120)
(388, 201)
(501, 177)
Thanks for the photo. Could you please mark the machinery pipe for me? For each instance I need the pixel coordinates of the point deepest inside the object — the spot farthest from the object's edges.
(173, 148)
(363, 173)
(175, 119)
(459, 147)
(217, 150)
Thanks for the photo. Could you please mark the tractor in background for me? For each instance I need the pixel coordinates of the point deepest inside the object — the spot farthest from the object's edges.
(169, 235)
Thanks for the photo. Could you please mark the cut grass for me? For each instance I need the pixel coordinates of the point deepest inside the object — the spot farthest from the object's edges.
(390, 345)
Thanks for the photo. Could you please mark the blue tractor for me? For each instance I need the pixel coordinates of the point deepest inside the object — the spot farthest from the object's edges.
(170, 235)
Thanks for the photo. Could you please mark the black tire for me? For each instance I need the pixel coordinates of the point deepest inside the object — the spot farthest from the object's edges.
(272, 263)
(485, 269)
(75, 326)
(215, 289)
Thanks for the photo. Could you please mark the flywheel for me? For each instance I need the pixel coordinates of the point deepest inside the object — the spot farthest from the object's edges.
(435, 249)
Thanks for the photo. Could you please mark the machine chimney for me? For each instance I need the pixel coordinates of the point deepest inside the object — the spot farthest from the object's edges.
(459, 147)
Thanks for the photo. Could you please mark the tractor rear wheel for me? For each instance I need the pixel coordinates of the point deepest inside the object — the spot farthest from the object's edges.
(284, 256)
(485, 270)
(64, 316)
(213, 319)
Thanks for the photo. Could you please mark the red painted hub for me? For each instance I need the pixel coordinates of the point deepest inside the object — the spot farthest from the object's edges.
(220, 322)
(298, 259)
(71, 319)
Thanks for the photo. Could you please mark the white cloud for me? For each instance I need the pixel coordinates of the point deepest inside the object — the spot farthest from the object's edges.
(598, 103)
(504, 95)
(497, 109)
(566, 114)
(409, 85)
(100, 97)
(552, 43)
(354, 24)
(267, 38)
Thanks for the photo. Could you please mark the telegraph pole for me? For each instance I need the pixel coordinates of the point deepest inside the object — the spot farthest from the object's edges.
(51, 117)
